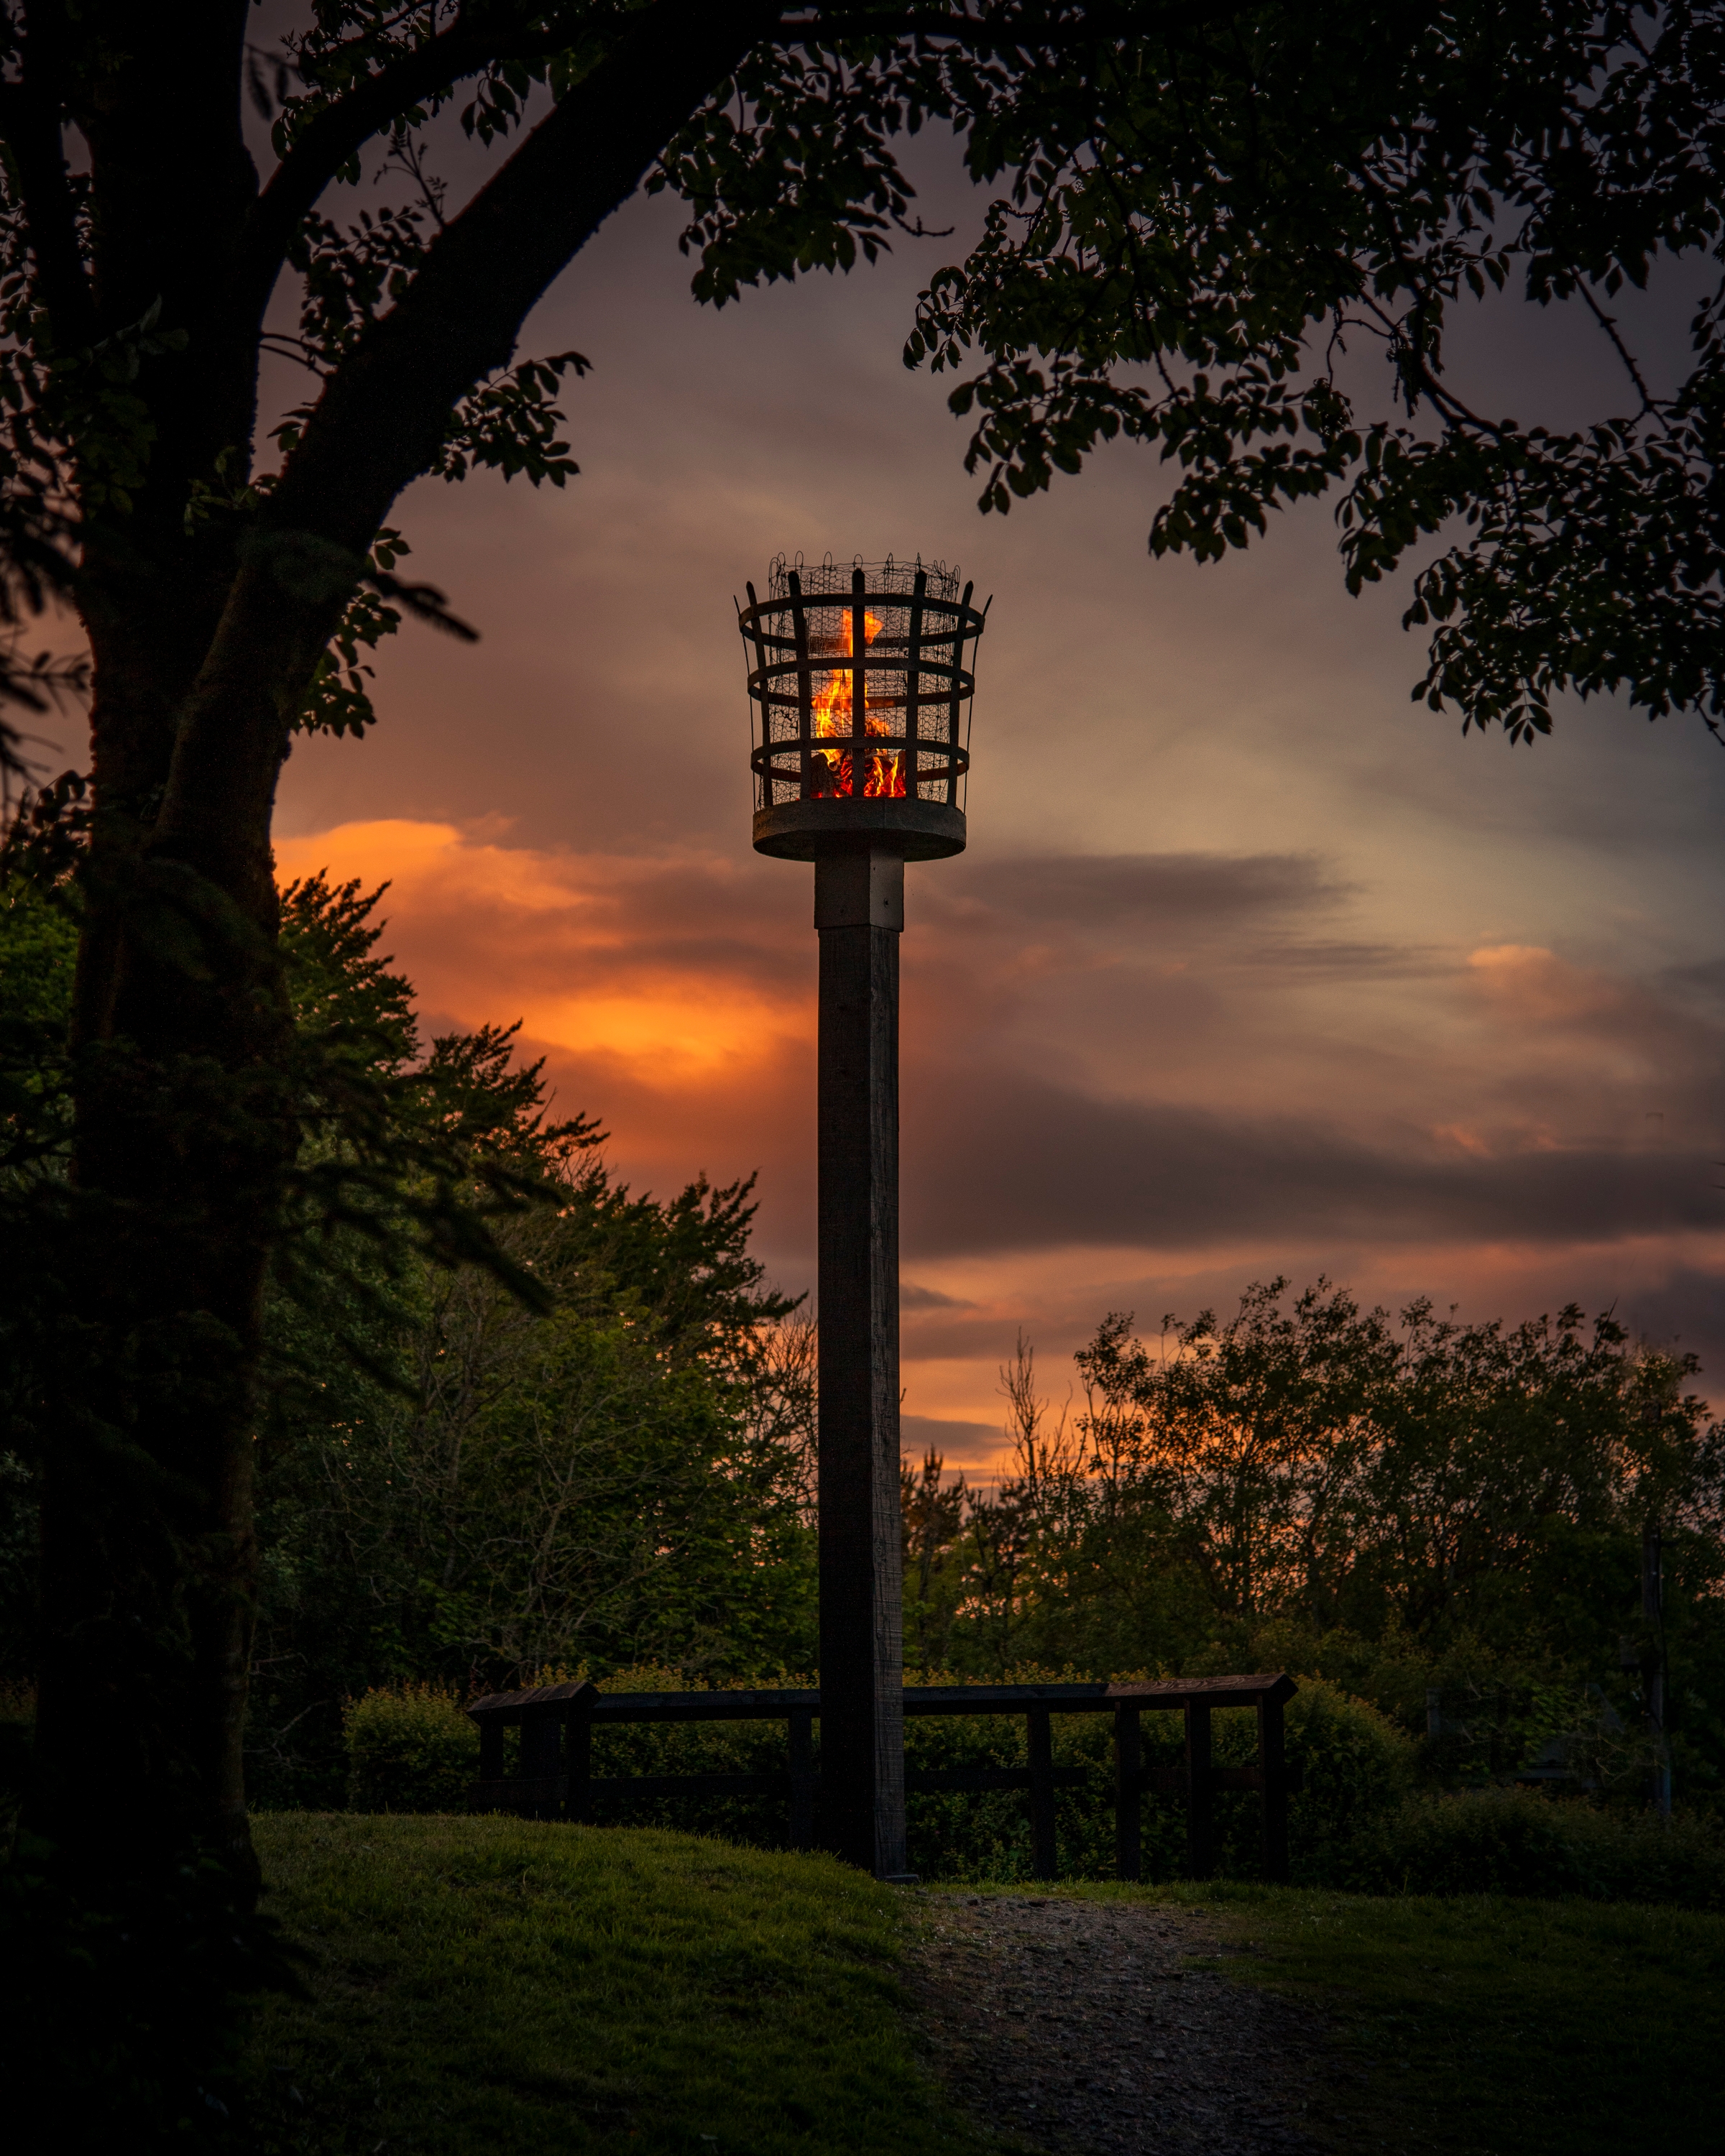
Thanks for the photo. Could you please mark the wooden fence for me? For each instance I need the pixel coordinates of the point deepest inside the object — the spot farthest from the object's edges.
(554, 1776)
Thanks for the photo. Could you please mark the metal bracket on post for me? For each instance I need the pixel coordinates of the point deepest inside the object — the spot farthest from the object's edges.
(859, 890)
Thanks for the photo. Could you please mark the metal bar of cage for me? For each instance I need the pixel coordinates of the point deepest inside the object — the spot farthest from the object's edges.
(913, 686)
(952, 729)
(859, 684)
(805, 679)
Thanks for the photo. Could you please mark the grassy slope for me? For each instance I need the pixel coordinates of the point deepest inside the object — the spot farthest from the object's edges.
(1492, 2027)
(492, 1985)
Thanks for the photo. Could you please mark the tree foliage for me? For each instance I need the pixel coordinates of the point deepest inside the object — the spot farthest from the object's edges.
(1406, 1504)
(590, 1486)
(1203, 212)
(462, 1480)
(1200, 213)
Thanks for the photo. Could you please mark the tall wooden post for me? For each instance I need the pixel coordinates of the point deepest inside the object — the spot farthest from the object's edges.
(858, 912)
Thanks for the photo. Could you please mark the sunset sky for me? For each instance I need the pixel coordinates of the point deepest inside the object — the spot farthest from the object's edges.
(1253, 967)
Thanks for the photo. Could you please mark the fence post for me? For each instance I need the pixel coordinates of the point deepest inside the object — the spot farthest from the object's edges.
(1273, 1768)
(1128, 1794)
(802, 1745)
(1042, 1812)
(490, 1733)
(1199, 1854)
(578, 1762)
(540, 1764)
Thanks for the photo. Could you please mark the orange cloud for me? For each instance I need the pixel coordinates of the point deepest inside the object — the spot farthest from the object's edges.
(1535, 983)
(1459, 1134)
(671, 1029)
(437, 861)
(573, 945)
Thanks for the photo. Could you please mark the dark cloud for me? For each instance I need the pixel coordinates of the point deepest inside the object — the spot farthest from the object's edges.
(911, 1296)
(1349, 962)
(1706, 980)
(951, 1438)
(982, 1337)
(1141, 891)
(1034, 1166)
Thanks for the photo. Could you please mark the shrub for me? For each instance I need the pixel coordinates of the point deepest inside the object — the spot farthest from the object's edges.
(1491, 1842)
(1517, 1841)
(1355, 1766)
(410, 1748)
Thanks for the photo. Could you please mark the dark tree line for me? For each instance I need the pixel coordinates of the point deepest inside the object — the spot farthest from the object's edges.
(1404, 1505)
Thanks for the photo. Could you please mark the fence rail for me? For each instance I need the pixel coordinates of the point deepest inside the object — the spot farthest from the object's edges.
(554, 1776)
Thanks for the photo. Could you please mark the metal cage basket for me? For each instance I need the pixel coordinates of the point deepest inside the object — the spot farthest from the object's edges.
(860, 697)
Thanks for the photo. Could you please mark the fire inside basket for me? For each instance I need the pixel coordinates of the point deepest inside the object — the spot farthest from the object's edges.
(832, 772)
(861, 695)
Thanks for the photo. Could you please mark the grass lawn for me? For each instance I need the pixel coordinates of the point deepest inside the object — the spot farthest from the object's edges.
(492, 1985)
(1486, 2026)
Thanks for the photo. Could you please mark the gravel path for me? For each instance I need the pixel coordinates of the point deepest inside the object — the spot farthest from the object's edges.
(1069, 2026)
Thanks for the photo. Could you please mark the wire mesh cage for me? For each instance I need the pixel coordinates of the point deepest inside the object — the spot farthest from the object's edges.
(860, 687)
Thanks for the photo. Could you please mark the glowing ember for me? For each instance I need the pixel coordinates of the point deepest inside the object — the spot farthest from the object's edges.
(830, 771)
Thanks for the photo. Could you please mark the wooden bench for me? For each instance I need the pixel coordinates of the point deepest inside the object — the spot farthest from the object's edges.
(554, 1776)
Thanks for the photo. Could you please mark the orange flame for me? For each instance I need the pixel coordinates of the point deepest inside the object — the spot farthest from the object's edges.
(832, 717)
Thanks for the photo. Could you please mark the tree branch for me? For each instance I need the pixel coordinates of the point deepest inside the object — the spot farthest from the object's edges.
(328, 141)
(1609, 324)
(346, 127)
(384, 413)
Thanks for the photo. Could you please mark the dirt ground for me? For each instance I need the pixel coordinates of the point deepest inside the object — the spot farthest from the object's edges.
(1070, 2026)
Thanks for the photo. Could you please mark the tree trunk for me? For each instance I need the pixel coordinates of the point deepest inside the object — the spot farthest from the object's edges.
(186, 1125)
